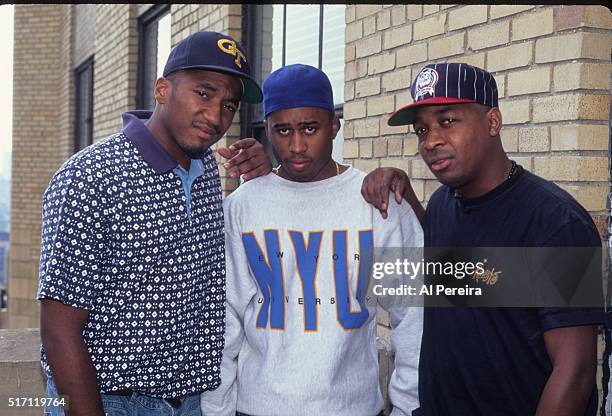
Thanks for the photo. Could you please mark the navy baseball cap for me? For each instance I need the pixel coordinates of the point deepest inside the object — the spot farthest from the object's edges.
(447, 83)
(295, 86)
(217, 52)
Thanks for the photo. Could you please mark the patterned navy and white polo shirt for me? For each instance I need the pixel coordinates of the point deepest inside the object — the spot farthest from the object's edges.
(119, 241)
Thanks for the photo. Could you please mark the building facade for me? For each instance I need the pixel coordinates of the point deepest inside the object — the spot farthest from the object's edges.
(77, 67)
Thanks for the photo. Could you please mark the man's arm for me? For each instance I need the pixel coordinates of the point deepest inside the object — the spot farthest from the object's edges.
(73, 244)
(377, 184)
(61, 329)
(248, 156)
(402, 234)
(573, 352)
(240, 289)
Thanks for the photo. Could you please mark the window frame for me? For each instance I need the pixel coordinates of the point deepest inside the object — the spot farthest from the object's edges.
(252, 24)
(78, 144)
(155, 13)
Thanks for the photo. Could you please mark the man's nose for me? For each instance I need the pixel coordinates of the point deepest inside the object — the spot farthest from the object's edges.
(298, 143)
(213, 116)
(434, 138)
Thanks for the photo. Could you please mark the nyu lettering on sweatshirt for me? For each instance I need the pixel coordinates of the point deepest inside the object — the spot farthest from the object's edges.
(301, 333)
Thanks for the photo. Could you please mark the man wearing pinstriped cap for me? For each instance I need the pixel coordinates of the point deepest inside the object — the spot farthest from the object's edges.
(500, 361)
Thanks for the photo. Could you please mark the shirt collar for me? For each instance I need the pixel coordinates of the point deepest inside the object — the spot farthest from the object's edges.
(196, 168)
(148, 146)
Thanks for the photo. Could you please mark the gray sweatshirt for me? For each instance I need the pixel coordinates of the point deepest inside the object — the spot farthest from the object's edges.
(300, 340)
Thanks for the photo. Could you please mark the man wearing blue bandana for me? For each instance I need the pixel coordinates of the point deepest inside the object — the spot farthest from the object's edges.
(301, 331)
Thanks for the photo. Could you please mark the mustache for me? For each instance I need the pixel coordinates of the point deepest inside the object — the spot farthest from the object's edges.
(433, 156)
(298, 159)
(203, 124)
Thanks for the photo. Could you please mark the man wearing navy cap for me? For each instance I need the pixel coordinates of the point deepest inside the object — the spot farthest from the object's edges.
(301, 329)
(491, 361)
(132, 268)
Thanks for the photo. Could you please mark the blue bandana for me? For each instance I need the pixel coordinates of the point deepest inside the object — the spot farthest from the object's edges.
(295, 86)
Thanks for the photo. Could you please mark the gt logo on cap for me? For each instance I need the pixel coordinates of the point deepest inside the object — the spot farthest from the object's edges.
(232, 50)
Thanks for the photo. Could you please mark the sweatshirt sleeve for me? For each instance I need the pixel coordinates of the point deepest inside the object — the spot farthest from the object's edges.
(239, 290)
(402, 232)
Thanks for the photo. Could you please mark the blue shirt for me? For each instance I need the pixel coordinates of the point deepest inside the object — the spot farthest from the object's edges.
(117, 240)
(196, 169)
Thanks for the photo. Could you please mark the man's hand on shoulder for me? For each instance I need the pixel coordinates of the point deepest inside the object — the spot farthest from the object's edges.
(377, 184)
(248, 156)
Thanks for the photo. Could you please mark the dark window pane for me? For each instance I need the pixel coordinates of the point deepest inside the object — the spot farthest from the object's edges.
(84, 105)
(149, 65)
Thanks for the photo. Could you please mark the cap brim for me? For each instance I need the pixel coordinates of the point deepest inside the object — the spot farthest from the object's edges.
(406, 115)
(251, 94)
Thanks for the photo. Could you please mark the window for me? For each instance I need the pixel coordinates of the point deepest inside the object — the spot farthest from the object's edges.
(282, 34)
(154, 48)
(83, 135)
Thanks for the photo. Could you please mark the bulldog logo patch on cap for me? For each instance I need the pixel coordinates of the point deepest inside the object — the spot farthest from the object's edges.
(426, 82)
(231, 49)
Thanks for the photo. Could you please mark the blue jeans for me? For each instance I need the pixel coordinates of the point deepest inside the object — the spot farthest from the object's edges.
(135, 405)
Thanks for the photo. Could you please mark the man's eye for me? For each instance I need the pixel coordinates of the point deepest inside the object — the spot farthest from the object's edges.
(310, 130)
(231, 107)
(283, 132)
(419, 131)
(201, 93)
(448, 121)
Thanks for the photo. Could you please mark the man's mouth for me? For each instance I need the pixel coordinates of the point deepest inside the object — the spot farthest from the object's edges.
(439, 164)
(206, 132)
(298, 165)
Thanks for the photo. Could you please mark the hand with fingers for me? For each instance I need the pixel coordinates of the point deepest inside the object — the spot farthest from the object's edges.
(378, 183)
(248, 156)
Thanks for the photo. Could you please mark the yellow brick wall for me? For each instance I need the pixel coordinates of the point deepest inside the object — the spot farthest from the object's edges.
(37, 108)
(552, 64)
(65, 145)
(115, 66)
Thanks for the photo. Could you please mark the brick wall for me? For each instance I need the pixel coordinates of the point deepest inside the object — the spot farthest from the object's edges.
(65, 143)
(84, 32)
(552, 64)
(115, 66)
(223, 18)
(36, 111)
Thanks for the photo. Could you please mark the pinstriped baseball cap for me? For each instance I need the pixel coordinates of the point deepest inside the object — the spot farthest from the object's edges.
(447, 83)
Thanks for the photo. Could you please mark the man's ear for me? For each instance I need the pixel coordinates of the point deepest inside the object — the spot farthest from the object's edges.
(494, 118)
(335, 126)
(163, 90)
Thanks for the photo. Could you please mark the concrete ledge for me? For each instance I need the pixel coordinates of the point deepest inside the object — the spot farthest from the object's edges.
(20, 371)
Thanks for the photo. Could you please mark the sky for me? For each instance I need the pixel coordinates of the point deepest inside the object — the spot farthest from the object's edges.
(6, 75)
